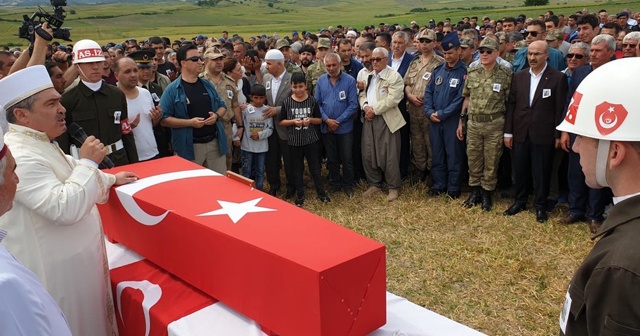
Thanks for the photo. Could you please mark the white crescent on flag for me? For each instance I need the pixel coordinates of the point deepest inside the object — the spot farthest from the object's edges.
(125, 193)
(151, 294)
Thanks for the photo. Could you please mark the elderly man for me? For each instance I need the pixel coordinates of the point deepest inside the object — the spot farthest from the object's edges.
(98, 107)
(399, 61)
(337, 95)
(630, 44)
(577, 56)
(581, 196)
(537, 96)
(54, 227)
(27, 308)
(278, 85)
(602, 297)
(416, 80)
(383, 90)
(193, 110)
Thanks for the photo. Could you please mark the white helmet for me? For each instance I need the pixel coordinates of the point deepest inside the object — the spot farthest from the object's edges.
(602, 110)
(87, 51)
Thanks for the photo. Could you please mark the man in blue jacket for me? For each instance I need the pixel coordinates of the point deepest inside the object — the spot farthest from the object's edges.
(536, 31)
(193, 110)
(443, 106)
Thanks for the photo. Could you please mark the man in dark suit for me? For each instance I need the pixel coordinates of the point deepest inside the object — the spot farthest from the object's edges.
(534, 108)
(277, 82)
(399, 61)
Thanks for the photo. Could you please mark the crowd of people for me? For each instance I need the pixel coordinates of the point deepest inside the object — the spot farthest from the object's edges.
(453, 105)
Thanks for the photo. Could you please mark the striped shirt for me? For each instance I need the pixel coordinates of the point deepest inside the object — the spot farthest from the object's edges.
(291, 110)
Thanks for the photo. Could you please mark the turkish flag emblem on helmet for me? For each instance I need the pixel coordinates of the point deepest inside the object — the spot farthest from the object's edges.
(609, 117)
(572, 112)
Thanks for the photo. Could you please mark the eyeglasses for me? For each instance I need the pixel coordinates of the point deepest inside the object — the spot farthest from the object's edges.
(376, 59)
(533, 34)
(485, 51)
(535, 54)
(629, 45)
(576, 56)
(425, 40)
(194, 59)
(446, 32)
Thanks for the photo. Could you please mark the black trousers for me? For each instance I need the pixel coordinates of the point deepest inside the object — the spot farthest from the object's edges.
(533, 160)
(298, 153)
(278, 151)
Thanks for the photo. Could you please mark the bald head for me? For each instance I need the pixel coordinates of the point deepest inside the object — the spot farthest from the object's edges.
(540, 45)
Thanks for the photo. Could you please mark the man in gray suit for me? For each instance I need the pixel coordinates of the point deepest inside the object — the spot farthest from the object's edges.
(277, 82)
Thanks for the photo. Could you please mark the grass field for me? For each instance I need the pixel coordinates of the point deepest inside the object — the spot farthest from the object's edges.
(116, 22)
(500, 275)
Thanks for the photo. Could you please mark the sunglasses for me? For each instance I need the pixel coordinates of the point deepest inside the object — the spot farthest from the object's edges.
(533, 34)
(194, 59)
(629, 45)
(425, 40)
(376, 59)
(485, 51)
(576, 56)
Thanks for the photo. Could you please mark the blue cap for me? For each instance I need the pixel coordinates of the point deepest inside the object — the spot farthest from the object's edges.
(200, 37)
(450, 41)
(295, 32)
(263, 35)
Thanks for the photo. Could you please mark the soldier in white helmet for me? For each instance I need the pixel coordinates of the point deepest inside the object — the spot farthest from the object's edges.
(604, 295)
(99, 108)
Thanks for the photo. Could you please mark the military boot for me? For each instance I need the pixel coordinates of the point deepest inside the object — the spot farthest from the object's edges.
(487, 200)
(474, 198)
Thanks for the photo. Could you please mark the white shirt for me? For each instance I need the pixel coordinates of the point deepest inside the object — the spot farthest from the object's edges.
(25, 306)
(372, 95)
(143, 133)
(535, 80)
(275, 85)
(395, 65)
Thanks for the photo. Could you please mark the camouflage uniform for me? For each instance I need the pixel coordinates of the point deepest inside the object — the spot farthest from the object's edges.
(487, 94)
(228, 91)
(292, 68)
(418, 77)
(314, 72)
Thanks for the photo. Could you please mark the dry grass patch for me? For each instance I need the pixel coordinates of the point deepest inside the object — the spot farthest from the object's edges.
(500, 275)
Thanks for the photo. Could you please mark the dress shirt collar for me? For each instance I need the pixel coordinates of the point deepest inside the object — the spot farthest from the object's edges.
(541, 72)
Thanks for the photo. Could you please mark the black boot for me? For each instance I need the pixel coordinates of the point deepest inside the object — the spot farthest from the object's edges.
(474, 198)
(487, 201)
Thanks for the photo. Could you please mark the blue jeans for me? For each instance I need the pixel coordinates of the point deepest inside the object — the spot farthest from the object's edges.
(339, 149)
(254, 162)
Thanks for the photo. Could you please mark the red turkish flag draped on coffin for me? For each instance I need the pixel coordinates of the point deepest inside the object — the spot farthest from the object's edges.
(291, 271)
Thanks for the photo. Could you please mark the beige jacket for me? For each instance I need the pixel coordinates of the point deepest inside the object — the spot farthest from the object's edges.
(389, 91)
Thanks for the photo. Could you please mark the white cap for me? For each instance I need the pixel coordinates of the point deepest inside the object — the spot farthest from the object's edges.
(274, 55)
(352, 33)
(23, 84)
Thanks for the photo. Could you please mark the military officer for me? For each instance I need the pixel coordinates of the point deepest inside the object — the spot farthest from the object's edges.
(442, 106)
(416, 80)
(317, 69)
(485, 93)
(227, 90)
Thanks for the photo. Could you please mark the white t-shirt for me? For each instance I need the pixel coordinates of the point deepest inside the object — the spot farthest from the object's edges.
(143, 133)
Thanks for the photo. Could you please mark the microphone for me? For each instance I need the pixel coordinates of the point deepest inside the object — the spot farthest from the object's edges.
(79, 134)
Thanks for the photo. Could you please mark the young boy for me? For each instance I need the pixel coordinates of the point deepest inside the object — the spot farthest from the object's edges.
(257, 129)
(300, 114)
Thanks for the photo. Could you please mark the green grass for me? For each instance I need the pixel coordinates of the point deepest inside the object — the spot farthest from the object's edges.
(116, 22)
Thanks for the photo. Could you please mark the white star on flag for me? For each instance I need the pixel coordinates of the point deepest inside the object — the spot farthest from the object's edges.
(611, 109)
(236, 211)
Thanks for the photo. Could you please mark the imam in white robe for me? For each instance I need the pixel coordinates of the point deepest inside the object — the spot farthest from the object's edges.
(55, 229)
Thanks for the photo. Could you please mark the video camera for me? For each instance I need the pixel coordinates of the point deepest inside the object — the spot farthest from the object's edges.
(32, 25)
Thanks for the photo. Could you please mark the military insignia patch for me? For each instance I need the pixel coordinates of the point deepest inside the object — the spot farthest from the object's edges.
(438, 80)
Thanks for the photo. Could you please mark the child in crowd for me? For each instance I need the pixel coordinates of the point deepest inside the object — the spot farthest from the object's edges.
(300, 114)
(257, 129)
